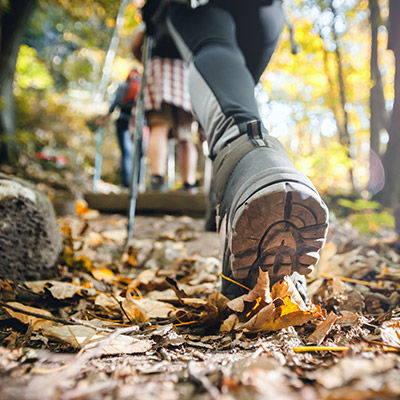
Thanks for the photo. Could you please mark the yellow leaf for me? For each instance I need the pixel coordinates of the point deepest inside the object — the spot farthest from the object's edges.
(103, 274)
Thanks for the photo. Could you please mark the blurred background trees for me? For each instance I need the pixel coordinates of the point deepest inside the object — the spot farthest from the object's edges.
(328, 94)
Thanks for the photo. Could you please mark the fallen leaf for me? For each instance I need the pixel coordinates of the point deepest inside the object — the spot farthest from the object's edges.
(116, 235)
(106, 301)
(122, 344)
(229, 324)
(75, 335)
(141, 310)
(347, 318)
(59, 290)
(322, 329)
(260, 291)
(162, 295)
(144, 278)
(194, 302)
(286, 287)
(390, 332)
(265, 310)
(81, 207)
(132, 311)
(153, 308)
(28, 319)
(103, 274)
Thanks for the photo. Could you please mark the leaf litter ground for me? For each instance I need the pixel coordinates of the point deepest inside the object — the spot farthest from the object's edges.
(149, 322)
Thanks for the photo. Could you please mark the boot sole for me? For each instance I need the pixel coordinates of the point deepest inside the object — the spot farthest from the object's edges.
(280, 228)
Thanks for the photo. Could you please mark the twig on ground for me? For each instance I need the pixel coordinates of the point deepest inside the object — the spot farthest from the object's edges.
(379, 343)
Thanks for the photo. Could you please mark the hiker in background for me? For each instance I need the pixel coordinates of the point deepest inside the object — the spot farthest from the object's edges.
(168, 109)
(125, 100)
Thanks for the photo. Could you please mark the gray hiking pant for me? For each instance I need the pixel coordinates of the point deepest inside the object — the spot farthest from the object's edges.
(227, 45)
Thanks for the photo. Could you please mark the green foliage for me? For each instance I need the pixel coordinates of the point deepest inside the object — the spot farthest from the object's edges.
(30, 71)
(370, 222)
(368, 216)
(359, 204)
(4, 5)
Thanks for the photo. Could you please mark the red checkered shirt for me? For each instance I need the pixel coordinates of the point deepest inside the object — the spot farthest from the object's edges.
(167, 81)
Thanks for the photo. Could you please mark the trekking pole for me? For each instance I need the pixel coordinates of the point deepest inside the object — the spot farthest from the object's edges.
(137, 138)
(99, 158)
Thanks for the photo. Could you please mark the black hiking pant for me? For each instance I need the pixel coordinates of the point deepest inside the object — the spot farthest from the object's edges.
(227, 45)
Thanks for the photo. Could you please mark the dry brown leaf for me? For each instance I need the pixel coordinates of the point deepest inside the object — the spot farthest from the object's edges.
(106, 301)
(271, 318)
(122, 344)
(133, 312)
(260, 291)
(286, 287)
(75, 335)
(262, 310)
(347, 318)
(162, 295)
(389, 273)
(154, 308)
(141, 310)
(326, 262)
(194, 302)
(81, 207)
(229, 324)
(115, 235)
(390, 332)
(144, 278)
(59, 290)
(220, 301)
(27, 319)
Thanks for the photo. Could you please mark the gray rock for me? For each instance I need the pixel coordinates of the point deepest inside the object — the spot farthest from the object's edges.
(30, 239)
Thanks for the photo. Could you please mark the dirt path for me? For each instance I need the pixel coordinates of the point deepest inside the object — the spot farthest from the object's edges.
(168, 358)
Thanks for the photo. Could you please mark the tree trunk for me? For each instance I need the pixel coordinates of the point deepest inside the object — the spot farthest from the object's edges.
(379, 117)
(12, 26)
(391, 192)
(344, 134)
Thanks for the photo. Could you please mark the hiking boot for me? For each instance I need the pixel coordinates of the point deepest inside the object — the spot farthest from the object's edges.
(158, 183)
(270, 214)
(189, 188)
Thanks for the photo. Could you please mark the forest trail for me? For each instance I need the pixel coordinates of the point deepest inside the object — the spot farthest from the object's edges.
(151, 324)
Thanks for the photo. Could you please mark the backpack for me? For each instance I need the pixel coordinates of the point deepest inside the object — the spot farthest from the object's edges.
(132, 90)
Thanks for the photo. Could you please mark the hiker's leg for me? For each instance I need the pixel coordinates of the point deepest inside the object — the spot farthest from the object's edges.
(160, 123)
(126, 147)
(220, 84)
(258, 43)
(158, 149)
(187, 151)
